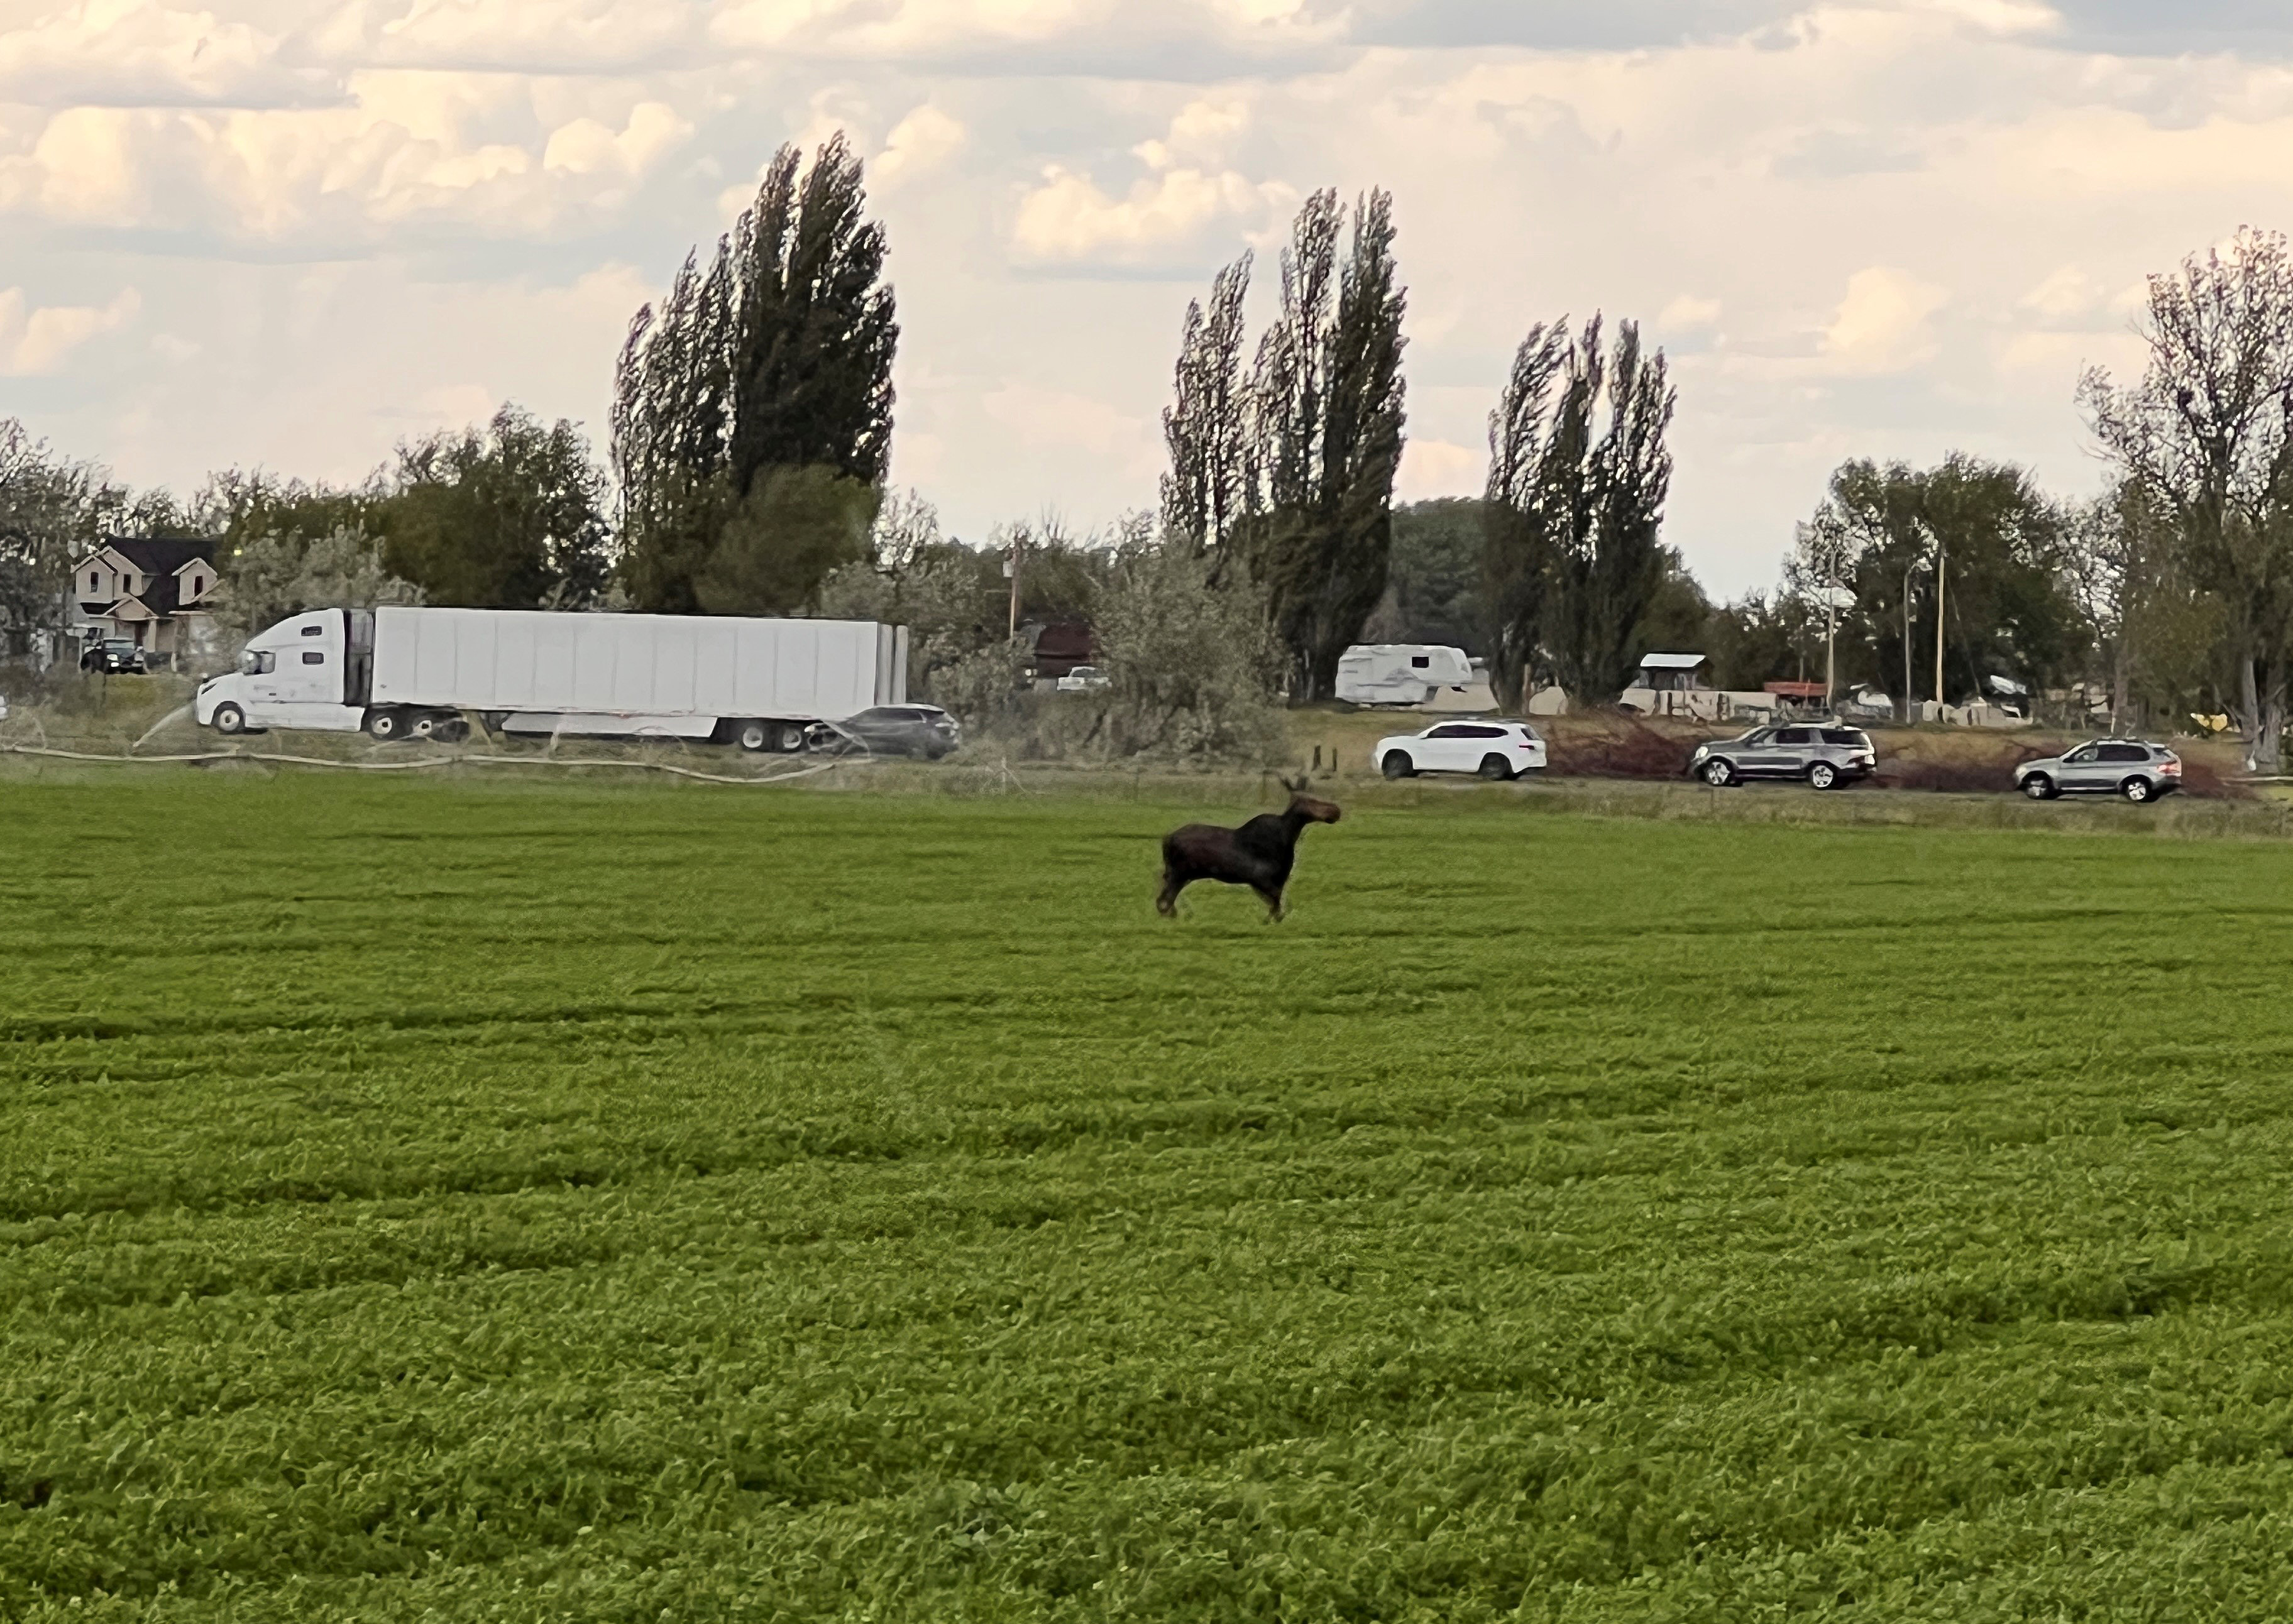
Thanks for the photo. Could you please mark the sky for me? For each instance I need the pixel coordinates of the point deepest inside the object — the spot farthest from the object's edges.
(290, 233)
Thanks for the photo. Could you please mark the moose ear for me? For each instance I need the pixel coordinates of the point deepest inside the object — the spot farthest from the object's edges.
(1296, 786)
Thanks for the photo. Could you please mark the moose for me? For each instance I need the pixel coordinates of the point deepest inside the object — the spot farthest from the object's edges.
(1258, 855)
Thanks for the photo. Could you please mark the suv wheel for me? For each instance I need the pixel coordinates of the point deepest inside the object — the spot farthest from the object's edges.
(2038, 787)
(1719, 773)
(2136, 789)
(1494, 768)
(1823, 775)
(1396, 764)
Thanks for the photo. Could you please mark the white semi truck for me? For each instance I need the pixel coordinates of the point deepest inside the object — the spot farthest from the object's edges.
(414, 673)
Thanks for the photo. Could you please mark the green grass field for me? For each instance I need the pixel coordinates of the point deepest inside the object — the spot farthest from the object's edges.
(451, 1202)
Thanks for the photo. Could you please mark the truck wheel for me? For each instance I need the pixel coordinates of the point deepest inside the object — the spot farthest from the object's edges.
(792, 737)
(1396, 765)
(1495, 769)
(754, 736)
(229, 719)
(385, 725)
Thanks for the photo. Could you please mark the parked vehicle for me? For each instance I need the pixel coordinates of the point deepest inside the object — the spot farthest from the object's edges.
(2138, 771)
(1823, 754)
(411, 672)
(923, 730)
(113, 654)
(1400, 673)
(1493, 750)
(1083, 679)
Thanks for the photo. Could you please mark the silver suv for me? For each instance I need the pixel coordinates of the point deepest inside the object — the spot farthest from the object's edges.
(2129, 767)
(1824, 754)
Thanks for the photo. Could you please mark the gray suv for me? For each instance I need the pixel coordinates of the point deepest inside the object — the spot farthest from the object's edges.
(2108, 766)
(1823, 754)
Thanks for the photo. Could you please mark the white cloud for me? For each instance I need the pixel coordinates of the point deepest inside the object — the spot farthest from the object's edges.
(1689, 314)
(142, 53)
(584, 146)
(35, 341)
(1186, 192)
(1881, 324)
(1436, 468)
(919, 144)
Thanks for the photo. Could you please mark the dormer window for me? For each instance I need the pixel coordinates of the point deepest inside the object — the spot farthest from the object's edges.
(90, 580)
(199, 584)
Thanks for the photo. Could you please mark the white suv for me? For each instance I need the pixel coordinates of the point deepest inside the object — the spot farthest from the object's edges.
(1494, 749)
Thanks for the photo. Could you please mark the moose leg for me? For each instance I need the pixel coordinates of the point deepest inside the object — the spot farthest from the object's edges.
(1167, 904)
(1273, 895)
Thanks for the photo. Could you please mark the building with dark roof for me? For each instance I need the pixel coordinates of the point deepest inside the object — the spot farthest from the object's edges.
(156, 593)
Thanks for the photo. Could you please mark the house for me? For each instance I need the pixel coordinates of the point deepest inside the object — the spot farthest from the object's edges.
(157, 593)
(1058, 647)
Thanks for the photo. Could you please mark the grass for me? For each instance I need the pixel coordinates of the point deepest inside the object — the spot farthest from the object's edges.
(459, 1200)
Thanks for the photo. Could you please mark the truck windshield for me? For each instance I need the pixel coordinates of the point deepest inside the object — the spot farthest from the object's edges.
(256, 662)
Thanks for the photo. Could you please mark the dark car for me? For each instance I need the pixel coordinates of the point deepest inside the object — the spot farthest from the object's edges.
(2130, 767)
(895, 729)
(113, 654)
(1824, 754)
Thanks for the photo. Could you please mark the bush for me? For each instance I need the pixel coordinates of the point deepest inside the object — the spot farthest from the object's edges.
(1626, 747)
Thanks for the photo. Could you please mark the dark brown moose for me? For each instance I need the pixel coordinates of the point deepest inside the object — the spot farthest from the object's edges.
(1258, 855)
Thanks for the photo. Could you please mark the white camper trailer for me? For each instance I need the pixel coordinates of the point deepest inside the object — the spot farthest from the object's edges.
(1400, 673)
(411, 672)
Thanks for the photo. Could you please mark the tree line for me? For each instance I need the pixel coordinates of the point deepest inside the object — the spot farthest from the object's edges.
(749, 453)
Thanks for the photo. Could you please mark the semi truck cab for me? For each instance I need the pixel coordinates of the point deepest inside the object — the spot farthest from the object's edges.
(313, 671)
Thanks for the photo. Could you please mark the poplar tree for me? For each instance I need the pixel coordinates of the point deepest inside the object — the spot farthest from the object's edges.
(1578, 479)
(752, 417)
(1292, 474)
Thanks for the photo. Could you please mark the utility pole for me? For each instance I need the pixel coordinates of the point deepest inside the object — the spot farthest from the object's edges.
(1940, 565)
(1011, 570)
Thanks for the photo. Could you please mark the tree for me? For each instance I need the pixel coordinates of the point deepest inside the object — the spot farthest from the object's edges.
(2154, 642)
(235, 506)
(1572, 561)
(1516, 551)
(1605, 511)
(797, 526)
(1433, 578)
(2208, 435)
(776, 358)
(51, 512)
(1206, 493)
(1327, 396)
(273, 577)
(1192, 662)
(1878, 535)
(510, 516)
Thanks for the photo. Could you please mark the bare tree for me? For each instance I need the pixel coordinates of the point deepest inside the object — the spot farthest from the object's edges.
(2207, 436)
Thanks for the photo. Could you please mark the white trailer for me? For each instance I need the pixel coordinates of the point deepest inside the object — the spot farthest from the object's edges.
(1400, 673)
(414, 672)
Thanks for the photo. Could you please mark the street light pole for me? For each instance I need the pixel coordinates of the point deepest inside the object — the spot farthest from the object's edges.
(1940, 566)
